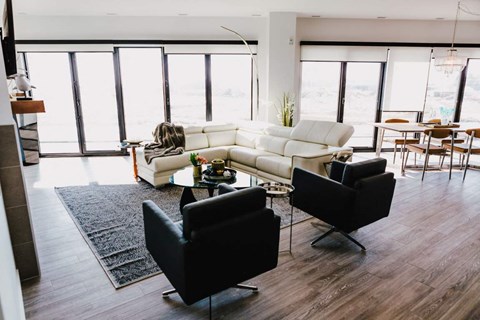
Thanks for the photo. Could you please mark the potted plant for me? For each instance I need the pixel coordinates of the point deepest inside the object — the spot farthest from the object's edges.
(286, 110)
(197, 161)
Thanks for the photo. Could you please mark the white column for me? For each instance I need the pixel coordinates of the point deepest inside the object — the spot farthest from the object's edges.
(282, 60)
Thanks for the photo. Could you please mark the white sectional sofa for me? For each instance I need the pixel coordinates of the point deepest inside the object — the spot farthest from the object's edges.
(267, 151)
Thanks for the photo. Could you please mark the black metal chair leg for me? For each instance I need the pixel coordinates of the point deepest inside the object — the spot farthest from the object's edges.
(168, 292)
(247, 287)
(322, 236)
(210, 307)
(346, 235)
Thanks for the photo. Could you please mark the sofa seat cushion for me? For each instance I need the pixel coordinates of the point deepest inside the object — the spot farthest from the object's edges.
(247, 156)
(276, 165)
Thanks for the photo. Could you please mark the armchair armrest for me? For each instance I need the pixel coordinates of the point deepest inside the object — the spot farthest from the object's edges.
(165, 242)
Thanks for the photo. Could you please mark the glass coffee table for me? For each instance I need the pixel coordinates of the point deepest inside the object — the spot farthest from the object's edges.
(184, 178)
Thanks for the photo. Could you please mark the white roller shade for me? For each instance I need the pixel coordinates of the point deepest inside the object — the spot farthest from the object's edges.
(64, 47)
(406, 78)
(213, 49)
(465, 52)
(343, 53)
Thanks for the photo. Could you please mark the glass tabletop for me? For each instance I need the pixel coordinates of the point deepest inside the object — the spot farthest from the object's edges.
(185, 178)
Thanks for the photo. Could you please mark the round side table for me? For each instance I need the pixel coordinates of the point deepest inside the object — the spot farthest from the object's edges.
(281, 190)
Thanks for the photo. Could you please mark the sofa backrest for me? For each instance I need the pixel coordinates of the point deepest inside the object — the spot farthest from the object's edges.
(308, 136)
(248, 132)
(271, 144)
(220, 134)
(323, 132)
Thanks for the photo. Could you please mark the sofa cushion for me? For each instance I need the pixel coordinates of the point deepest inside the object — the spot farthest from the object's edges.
(279, 131)
(193, 129)
(277, 165)
(246, 138)
(271, 144)
(299, 147)
(196, 141)
(211, 127)
(221, 138)
(324, 132)
(247, 156)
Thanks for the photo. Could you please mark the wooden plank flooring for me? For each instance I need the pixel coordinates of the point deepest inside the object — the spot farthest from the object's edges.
(422, 262)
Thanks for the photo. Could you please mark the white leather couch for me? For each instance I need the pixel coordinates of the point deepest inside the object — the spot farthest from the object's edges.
(267, 151)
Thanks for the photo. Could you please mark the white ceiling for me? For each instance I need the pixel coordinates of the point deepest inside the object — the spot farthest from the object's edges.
(351, 9)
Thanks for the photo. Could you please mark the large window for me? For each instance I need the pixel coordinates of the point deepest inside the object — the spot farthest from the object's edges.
(361, 101)
(57, 127)
(95, 99)
(320, 90)
(442, 93)
(345, 92)
(187, 88)
(142, 86)
(471, 99)
(231, 87)
(98, 101)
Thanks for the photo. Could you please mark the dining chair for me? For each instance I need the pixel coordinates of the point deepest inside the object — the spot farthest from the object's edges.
(399, 141)
(442, 141)
(466, 149)
(429, 149)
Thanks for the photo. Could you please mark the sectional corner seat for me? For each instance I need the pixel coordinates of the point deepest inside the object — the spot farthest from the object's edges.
(264, 150)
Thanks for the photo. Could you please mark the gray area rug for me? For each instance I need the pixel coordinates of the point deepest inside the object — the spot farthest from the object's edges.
(110, 219)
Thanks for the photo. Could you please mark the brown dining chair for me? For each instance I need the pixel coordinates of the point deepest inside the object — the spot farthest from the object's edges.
(397, 141)
(442, 141)
(429, 149)
(466, 149)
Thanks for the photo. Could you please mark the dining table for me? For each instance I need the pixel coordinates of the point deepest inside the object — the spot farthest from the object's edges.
(405, 128)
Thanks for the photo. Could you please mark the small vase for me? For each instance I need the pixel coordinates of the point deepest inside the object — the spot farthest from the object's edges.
(197, 171)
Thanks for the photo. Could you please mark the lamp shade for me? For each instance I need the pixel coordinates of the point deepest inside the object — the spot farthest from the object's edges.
(451, 62)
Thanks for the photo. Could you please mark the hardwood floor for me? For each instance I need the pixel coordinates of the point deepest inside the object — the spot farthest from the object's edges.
(422, 262)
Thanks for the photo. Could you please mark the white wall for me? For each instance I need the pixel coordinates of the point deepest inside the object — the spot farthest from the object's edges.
(316, 29)
(11, 302)
(275, 58)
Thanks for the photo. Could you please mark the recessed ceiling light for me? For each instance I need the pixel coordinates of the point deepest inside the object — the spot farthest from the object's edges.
(439, 18)
(111, 14)
(316, 16)
(183, 14)
(381, 17)
(256, 15)
(22, 13)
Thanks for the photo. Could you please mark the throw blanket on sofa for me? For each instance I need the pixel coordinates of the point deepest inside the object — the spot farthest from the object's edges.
(169, 140)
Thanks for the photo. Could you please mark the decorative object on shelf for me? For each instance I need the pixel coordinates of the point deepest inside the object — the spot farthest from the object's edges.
(286, 110)
(22, 84)
(451, 62)
(218, 166)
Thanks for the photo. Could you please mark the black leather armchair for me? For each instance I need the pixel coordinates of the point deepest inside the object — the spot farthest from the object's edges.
(355, 195)
(221, 242)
